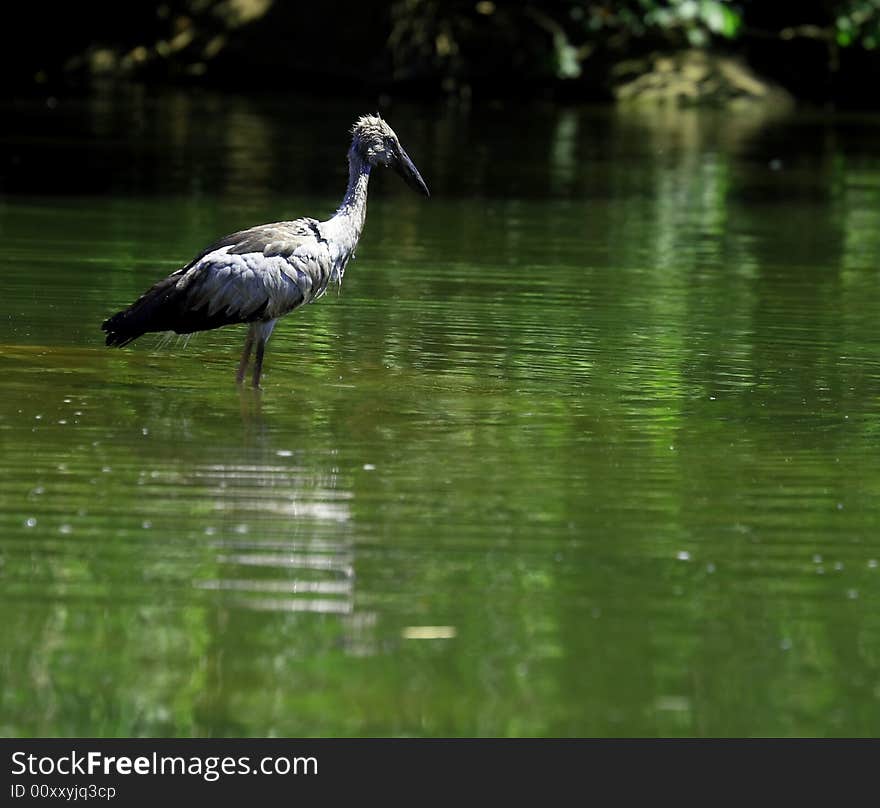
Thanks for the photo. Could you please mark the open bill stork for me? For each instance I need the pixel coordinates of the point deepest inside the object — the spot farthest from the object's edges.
(257, 275)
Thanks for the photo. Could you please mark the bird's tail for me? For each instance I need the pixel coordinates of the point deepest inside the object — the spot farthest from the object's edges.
(152, 311)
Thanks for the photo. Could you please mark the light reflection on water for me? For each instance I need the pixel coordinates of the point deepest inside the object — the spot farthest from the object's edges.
(274, 495)
(585, 445)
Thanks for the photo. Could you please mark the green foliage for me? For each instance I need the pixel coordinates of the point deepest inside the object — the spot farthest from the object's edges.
(552, 38)
(697, 20)
(568, 38)
(858, 23)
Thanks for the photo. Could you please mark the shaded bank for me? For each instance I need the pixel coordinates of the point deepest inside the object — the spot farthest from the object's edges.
(821, 51)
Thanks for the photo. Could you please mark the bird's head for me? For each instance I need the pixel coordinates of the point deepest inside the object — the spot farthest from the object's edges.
(375, 142)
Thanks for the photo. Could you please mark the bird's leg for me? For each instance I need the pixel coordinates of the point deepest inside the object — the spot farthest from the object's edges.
(262, 332)
(258, 361)
(245, 355)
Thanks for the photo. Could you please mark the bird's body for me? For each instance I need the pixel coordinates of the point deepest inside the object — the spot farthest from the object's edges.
(257, 275)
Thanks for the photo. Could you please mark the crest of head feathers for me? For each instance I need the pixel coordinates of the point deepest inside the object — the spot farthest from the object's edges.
(367, 122)
(372, 138)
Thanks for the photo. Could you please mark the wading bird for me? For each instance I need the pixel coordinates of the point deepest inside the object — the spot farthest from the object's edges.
(256, 276)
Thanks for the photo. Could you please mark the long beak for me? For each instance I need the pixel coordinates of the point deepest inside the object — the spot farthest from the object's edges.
(407, 169)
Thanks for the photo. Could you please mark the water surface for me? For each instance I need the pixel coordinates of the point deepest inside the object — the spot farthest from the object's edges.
(586, 445)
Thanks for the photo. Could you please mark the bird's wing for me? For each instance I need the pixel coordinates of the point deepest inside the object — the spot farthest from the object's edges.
(279, 238)
(254, 274)
(246, 276)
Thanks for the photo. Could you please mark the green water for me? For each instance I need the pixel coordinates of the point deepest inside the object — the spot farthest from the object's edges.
(587, 445)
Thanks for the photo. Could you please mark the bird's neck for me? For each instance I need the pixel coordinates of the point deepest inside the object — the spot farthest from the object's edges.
(353, 210)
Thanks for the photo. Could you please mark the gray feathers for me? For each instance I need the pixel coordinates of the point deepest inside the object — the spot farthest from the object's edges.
(279, 238)
(257, 274)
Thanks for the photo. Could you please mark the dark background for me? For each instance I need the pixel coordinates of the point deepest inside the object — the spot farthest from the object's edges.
(824, 52)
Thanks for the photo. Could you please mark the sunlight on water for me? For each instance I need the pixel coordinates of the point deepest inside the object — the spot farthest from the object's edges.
(584, 446)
